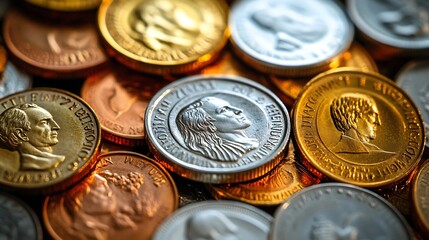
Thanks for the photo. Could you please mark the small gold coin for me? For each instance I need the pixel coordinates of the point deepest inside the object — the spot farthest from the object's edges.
(49, 139)
(420, 198)
(164, 36)
(358, 128)
(66, 5)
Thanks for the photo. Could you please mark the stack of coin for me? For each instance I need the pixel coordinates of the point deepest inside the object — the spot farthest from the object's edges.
(219, 119)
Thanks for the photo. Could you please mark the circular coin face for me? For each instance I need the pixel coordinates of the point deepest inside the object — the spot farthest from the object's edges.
(126, 197)
(48, 140)
(164, 36)
(217, 129)
(359, 128)
(289, 37)
(399, 24)
(413, 79)
(120, 98)
(420, 198)
(52, 51)
(338, 211)
(17, 220)
(216, 220)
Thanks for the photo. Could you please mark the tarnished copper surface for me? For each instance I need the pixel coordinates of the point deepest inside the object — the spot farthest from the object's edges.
(120, 98)
(52, 51)
(126, 197)
(3, 60)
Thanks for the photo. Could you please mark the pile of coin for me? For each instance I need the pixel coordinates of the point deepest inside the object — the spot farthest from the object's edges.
(214, 119)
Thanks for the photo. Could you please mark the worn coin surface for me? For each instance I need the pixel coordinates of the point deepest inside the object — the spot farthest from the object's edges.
(17, 220)
(420, 198)
(338, 211)
(217, 129)
(216, 220)
(273, 188)
(289, 37)
(413, 79)
(48, 140)
(164, 36)
(52, 51)
(359, 128)
(126, 197)
(120, 97)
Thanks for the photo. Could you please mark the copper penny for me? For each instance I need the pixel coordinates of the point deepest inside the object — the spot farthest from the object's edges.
(52, 51)
(120, 98)
(126, 197)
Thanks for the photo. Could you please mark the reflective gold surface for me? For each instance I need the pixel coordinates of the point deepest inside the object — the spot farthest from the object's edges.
(359, 128)
(420, 198)
(66, 5)
(164, 36)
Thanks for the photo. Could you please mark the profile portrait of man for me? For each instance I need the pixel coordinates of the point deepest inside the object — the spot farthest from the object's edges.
(356, 116)
(31, 131)
(211, 225)
(214, 128)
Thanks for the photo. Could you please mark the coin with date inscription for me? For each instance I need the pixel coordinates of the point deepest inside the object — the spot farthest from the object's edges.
(49, 139)
(217, 129)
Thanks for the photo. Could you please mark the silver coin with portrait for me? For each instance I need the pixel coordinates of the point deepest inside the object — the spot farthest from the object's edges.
(217, 128)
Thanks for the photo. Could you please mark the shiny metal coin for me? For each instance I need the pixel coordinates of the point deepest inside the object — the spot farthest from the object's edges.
(14, 80)
(216, 220)
(217, 129)
(293, 38)
(338, 211)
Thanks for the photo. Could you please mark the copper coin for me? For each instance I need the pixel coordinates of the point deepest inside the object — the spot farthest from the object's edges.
(126, 197)
(120, 98)
(52, 51)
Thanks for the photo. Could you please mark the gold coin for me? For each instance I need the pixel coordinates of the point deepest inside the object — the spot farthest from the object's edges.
(49, 140)
(358, 128)
(273, 188)
(356, 56)
(66, 5)
(164, 36)
(420, 198)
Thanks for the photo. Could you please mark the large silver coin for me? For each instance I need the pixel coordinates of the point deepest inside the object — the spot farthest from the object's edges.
(226, 220)
(400, 24)
(413, 78)
(217, 129)
(14, 80)
(17, 220)
(338, 211)
(289, 37)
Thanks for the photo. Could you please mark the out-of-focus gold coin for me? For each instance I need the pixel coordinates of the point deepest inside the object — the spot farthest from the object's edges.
(279, 184)
(164, 36)
(420, 198)
(359, 128)
(66, 5)
(356, 56)
(49, 140)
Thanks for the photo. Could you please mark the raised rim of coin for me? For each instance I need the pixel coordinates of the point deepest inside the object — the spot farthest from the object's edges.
(419, 194)
(306, 213)
(259, 145)
(349, 159)
(229, 211)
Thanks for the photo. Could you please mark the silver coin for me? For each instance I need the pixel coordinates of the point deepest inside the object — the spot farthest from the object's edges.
(217, 129)
(17, 220)
(412, 78)
(338, 211)
(397, 23)
(288, 37)
(14, 80)
(226, 220)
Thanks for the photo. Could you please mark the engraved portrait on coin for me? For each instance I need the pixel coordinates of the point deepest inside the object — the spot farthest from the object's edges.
(32, 131)
(211, 224)
(356, 116)
(214, 128)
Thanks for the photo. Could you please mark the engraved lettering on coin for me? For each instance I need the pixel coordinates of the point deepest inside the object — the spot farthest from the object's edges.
(74, 40)
(32, 131)
(163, 25)
(214, 128)
(294, 26)
(94, 208)
(405, 18)
(356, 116)
(424, 99)
(210, 225)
